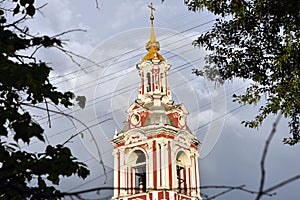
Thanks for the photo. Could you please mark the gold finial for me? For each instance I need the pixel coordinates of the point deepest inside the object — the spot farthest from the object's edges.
(152, 36)
(152, 46)
(151, 10)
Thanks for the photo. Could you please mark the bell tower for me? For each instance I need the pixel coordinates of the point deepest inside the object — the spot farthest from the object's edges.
(155, 154)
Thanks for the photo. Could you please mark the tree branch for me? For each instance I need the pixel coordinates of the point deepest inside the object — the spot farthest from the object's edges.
(97, 4)
(224, 192)
(80, 132)
(39, 9)
(70, 54)
(241, 188)
(283, 183)
(69, 31)
(15, 23)
(86, 128)
(262, 162)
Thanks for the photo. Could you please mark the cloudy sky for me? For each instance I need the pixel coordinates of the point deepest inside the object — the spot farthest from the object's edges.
(113, 41)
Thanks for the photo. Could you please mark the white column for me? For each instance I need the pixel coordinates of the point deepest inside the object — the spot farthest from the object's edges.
(122, 171)
(164, 165)
(169, 166)
(187, 180)
(197, 175)
(150, 165)
(193, 176)
(159, 166)
(115, 154)
(174, 168)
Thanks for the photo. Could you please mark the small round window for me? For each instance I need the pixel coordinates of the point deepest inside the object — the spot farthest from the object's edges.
(135, 119)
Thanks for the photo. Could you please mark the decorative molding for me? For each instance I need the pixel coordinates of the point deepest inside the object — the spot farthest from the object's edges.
(134, 138)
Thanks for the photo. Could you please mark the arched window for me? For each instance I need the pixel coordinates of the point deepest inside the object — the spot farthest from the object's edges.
(161, 82)
(182, 162)
(148, 82)
(137, 161)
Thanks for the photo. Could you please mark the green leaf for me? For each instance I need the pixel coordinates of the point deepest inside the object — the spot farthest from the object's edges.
(81, 101)
(23, 2)
(30, 2)
(26, 82)
(41, 183)
(2, 20)
(258, 41)
(83, 172)
(30, 10)
(16, 10)
(53, 177)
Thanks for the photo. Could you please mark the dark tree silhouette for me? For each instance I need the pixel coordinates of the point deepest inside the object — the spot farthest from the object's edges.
(24, 82)
(258, 40)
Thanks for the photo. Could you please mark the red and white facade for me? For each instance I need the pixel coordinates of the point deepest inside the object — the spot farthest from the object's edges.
(155, 155)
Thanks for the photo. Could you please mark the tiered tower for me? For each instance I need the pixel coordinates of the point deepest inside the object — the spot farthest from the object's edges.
(155, 155)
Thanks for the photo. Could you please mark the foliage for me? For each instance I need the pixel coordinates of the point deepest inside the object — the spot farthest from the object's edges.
(258, 40)
(24, 81)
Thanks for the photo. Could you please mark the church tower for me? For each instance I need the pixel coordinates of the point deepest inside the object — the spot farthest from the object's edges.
(156, 154)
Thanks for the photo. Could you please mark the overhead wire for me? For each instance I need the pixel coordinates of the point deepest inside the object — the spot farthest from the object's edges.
(235, 110)
(112, 79)
(108, 172)
(136, 49)
(122, 90)
(200, 127)
(97, 122)
(131, 51)
(187, 30)
(123, 70)
(164, 23)
(122, 108)
(177, 48)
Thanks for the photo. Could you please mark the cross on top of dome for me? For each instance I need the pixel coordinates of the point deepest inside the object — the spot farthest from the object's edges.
(151, 10)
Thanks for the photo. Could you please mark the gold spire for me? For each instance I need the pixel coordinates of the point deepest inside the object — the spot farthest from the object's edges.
(152, 46)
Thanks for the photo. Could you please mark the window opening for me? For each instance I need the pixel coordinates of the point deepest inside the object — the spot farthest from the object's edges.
(148, 82)
(180, 172)
(180, 179)
(161, 82)
(139, 172)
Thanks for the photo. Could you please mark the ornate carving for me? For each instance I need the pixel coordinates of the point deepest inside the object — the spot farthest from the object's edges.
(134, 137)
